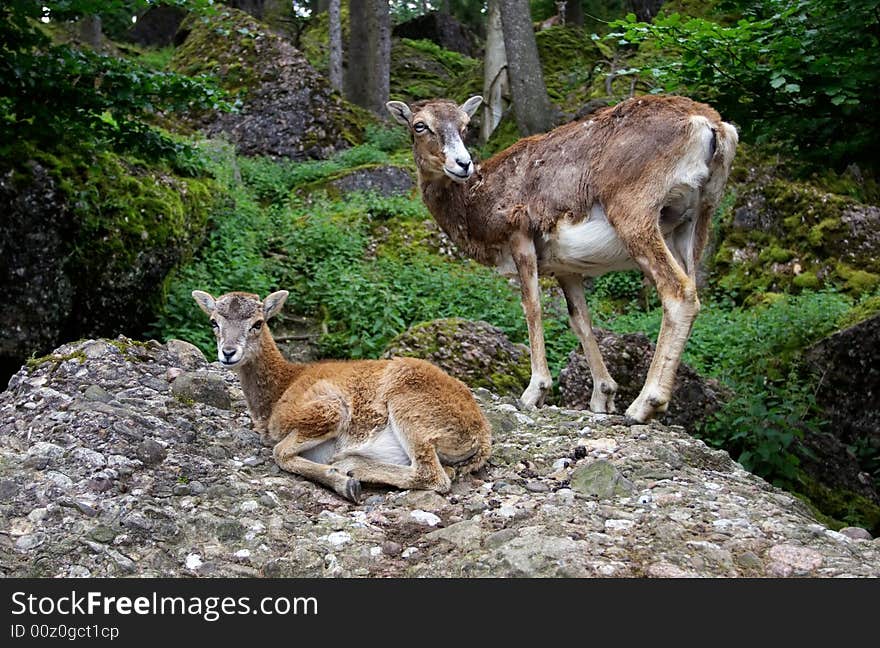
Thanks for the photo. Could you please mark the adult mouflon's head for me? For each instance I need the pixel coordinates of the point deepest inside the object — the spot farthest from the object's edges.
(437, 127)
(238, 319)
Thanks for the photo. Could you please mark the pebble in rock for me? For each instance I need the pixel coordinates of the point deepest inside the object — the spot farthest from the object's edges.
(391, 548)
(856, 533)
(151, 452)
(424, 517)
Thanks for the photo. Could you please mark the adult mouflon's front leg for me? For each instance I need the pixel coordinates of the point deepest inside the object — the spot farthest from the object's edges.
(523, 252)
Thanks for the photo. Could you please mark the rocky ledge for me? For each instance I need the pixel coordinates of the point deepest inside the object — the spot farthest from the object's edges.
(125, 458)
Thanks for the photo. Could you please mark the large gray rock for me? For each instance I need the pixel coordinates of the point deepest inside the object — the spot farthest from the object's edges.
(36, 291)
(384, 180)
(148, 485)
(288, 109)
(157, 26)
(628, 357)
(846, 451)
(477, 353)
(72, 267)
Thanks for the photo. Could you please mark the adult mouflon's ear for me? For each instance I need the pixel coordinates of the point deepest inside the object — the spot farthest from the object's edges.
(472, 105)
(400, 111)
(204, 300)
(273, 303)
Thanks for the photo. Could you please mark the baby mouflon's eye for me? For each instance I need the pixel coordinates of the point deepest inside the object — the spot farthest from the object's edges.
(214, 324)
(257, 325)
(420, 127)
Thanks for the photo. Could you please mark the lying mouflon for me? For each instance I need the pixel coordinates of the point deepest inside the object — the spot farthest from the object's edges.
(401, 422)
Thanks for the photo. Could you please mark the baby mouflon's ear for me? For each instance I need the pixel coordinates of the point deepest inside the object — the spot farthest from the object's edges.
(472, 105)
(400, 111)
(204, 300)
(273, 303)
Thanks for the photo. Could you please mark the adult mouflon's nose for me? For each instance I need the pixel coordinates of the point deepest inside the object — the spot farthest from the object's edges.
(464, 164)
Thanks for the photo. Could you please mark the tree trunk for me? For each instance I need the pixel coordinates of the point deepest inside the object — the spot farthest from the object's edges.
(335, 46)
(574, 13)
(90, 31)
(496, 84)
(253, 7)
(531, 105)
(356, 73)
(379, 65)
(368, 77)
(645, 10)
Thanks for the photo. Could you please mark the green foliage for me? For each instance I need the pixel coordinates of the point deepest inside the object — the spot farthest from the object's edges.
(55, 93)
(319, 249)
(760, 424)
(272, 180)
(755, 352)
(387, 138)
(802, 73)
(622, 286)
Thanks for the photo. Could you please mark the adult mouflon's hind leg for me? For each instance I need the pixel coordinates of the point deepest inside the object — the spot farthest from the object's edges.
(604, 387)
(678, 295)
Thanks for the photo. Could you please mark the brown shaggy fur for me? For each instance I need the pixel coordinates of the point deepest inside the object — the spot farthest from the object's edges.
(347, 404)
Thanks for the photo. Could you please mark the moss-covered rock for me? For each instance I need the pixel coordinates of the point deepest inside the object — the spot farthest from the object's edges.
(848, 390)
(421, 69)
(838, 508)
(628, 357)
(569, 60)
(87, 244)
(786, 235)
(477, 353)
(287, 108)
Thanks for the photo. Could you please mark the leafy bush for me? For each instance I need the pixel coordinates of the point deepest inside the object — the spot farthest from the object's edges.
(56, 93)
(386, 138)
(755, 352)
(803, 73)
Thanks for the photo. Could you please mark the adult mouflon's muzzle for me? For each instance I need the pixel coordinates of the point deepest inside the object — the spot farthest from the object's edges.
(459, 166)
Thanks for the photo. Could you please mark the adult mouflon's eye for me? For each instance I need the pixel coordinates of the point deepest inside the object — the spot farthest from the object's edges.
(420, 127)
(257, 325)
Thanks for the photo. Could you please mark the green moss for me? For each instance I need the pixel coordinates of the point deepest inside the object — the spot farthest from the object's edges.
(776, 254)
(824, 230)
(420, 69)
(568, 62)
(860, 282)
(798, 221)
(807, 280)
(130, 349)
(837, 508)
(55, 358)
(868, 308)
(224, 43)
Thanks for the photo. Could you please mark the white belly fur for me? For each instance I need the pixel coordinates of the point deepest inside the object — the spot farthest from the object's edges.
(590, 247)
(384, 446)
(321, 453)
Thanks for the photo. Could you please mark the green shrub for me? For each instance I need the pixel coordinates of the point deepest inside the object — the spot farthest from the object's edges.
(803, 73)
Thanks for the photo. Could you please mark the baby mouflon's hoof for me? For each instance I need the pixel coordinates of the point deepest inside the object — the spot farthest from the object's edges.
(353, 490)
